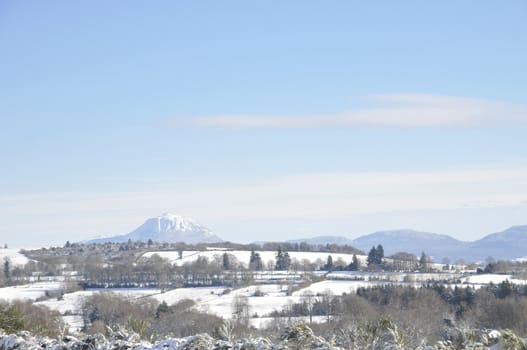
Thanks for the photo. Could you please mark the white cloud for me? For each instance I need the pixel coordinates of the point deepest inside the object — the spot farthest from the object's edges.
(388, 110)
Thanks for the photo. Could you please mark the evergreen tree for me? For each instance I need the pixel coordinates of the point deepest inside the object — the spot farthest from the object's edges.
(329, 264)
(423, 262)
(226, 262)
(255, 262)
(7, 269)
(376, 255)
(283, 260)
(379, 254)
(279, 260)
(162, 308)
(354, 265)
(251, 259)
(287, 261)
(505, 289)
(372, 256)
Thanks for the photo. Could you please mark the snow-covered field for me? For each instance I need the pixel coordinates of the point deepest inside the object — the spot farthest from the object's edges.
(334, 287)
(14, 256)
(31, 291)
(393, 276)
(219, 300)
(490, 278)
(71, 304)
(209, 299)
(274, 298)
(243, 256)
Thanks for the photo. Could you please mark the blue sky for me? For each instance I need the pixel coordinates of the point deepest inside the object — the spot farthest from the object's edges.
(276, 119)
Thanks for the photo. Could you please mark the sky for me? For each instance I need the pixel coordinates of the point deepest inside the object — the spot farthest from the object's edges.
(262, 120)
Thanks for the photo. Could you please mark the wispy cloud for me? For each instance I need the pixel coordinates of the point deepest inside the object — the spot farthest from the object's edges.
(387, 110)
(314, 196)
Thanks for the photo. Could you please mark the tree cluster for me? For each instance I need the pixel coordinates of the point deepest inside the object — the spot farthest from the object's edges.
(376, 256)
(24, 315)
(283, 260)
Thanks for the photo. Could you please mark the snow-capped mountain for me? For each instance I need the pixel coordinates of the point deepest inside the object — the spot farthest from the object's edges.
(169, 228)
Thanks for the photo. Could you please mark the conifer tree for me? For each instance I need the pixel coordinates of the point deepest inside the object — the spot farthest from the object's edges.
(329, 264)
(372, 256)
(226, 262)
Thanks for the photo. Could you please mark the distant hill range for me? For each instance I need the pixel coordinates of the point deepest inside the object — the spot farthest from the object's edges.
(509, 244)
(338, 240)
(435, 245)
(168, 228)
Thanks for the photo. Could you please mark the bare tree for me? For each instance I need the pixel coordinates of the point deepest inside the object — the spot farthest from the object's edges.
(240, 309)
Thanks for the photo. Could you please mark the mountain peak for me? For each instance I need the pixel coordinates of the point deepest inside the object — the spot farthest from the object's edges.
(174, 222)
(170, 228)
(174, 217)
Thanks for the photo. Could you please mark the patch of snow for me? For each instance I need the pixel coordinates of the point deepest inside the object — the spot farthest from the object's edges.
(31, 291)
(15, 257)
(490, 278)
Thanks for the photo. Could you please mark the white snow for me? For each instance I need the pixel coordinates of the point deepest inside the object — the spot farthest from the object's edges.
(490, 278)
(216, 301)
(393, 276)
(198, 294)
(71, 304)
(274, 298)
(15, 257)
(334, 287)
(173, 222)
(31, 291)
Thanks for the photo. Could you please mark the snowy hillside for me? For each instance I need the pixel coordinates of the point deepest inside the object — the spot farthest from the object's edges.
(15, 257)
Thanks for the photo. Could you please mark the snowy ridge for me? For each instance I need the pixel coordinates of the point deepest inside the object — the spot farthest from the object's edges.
(169, 228)
(172, 222)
